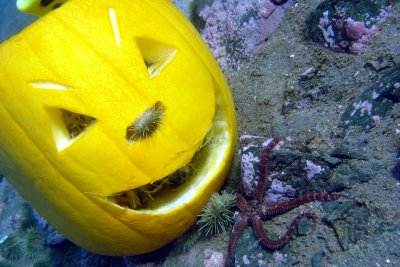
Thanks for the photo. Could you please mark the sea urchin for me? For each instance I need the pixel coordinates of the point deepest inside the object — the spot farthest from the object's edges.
(216, 215)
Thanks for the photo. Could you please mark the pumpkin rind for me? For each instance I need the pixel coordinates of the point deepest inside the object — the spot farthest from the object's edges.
(76, 59)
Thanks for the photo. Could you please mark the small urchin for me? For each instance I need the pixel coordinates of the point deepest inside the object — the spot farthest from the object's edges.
(146, 124)
(10, 247)
(216, 216)
(32, 243)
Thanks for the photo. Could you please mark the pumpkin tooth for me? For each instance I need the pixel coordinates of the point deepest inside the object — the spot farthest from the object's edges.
(114, 25)
(49, 85)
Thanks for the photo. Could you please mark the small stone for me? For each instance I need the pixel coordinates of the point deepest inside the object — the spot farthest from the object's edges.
(246, 260)
(350, 222)
(333, 161)
(304, 227)
(216, 259)
(316, 259)
(340, 211)
(329, 206)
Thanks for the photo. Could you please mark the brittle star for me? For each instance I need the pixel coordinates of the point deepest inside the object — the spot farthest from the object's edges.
(254, 212)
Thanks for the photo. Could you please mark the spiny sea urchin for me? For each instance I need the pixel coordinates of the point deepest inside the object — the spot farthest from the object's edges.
(10, 248)
(147, 123)
(32, 243)
(216, 215)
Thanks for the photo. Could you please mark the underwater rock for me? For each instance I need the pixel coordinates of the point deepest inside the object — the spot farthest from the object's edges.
(347, 26)
(340, 210)
(396, 169)
(344, 177)
(251, 150)
(234, 30)
(294, 168)
(317, 258)
(305, 226)
(349, 220)
(350, 150)
(250, 253)
(214, 259)
(88, 259)
(375, 102)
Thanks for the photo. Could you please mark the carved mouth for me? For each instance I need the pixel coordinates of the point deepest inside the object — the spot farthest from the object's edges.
(147, 196)
(180, 186)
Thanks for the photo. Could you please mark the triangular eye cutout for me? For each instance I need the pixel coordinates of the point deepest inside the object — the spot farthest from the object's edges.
(156, 55)
(68, 126)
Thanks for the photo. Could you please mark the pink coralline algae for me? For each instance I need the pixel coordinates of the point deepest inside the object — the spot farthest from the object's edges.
(279, 191)
(251, 151)
(312, 169)
(364, 107)
(357, 31)
(215, 259)
(279, 257)
(235, 30)
(347, 26)
(375, 102)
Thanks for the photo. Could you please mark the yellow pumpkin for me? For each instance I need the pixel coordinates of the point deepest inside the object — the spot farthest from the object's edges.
(104, 102)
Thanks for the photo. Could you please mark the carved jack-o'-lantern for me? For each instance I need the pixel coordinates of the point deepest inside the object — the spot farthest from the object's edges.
(117, 124)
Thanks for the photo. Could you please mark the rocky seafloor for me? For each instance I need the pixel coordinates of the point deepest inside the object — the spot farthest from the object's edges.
(340, 111)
